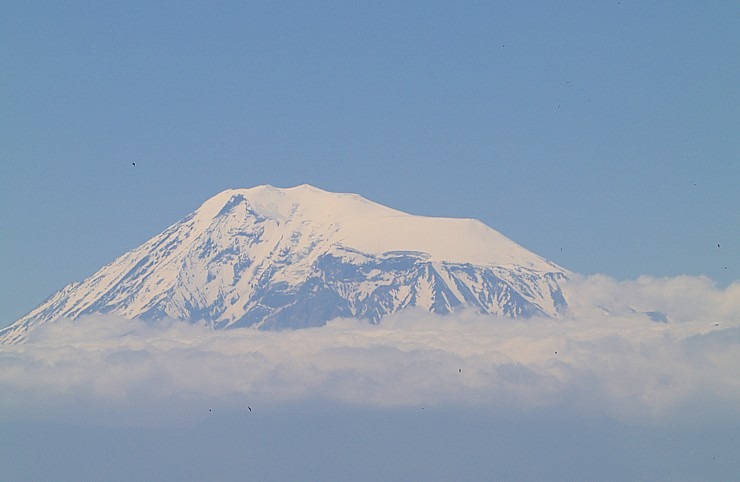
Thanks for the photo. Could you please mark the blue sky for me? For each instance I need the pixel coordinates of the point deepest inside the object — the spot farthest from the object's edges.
(601, 135)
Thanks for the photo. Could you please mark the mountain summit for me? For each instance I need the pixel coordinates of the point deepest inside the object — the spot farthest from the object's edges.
(276, 258)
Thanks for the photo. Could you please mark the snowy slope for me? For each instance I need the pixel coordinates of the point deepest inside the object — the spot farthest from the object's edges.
(289, 258)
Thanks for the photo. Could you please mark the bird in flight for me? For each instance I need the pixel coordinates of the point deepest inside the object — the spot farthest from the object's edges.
(250, 408)
(133, 164)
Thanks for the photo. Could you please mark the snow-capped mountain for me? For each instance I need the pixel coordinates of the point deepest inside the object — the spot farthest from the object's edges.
(289, 258)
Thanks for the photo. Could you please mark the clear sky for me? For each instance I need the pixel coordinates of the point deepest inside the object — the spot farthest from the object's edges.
(601, 135)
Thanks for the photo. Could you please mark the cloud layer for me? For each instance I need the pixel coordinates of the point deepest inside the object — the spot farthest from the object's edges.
(655, 350)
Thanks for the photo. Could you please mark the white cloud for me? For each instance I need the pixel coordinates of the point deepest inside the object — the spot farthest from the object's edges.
(605, 358)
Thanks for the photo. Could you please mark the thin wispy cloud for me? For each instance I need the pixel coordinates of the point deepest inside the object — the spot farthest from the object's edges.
(608, 357)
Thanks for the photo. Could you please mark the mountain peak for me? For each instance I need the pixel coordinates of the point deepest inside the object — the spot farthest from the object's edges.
(299, 256)
(374, 228)
(280, 202)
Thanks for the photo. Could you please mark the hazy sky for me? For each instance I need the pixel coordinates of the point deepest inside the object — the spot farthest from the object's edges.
(601, 135)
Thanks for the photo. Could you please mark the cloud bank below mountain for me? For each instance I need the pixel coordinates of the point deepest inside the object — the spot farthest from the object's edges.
(649, 350)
